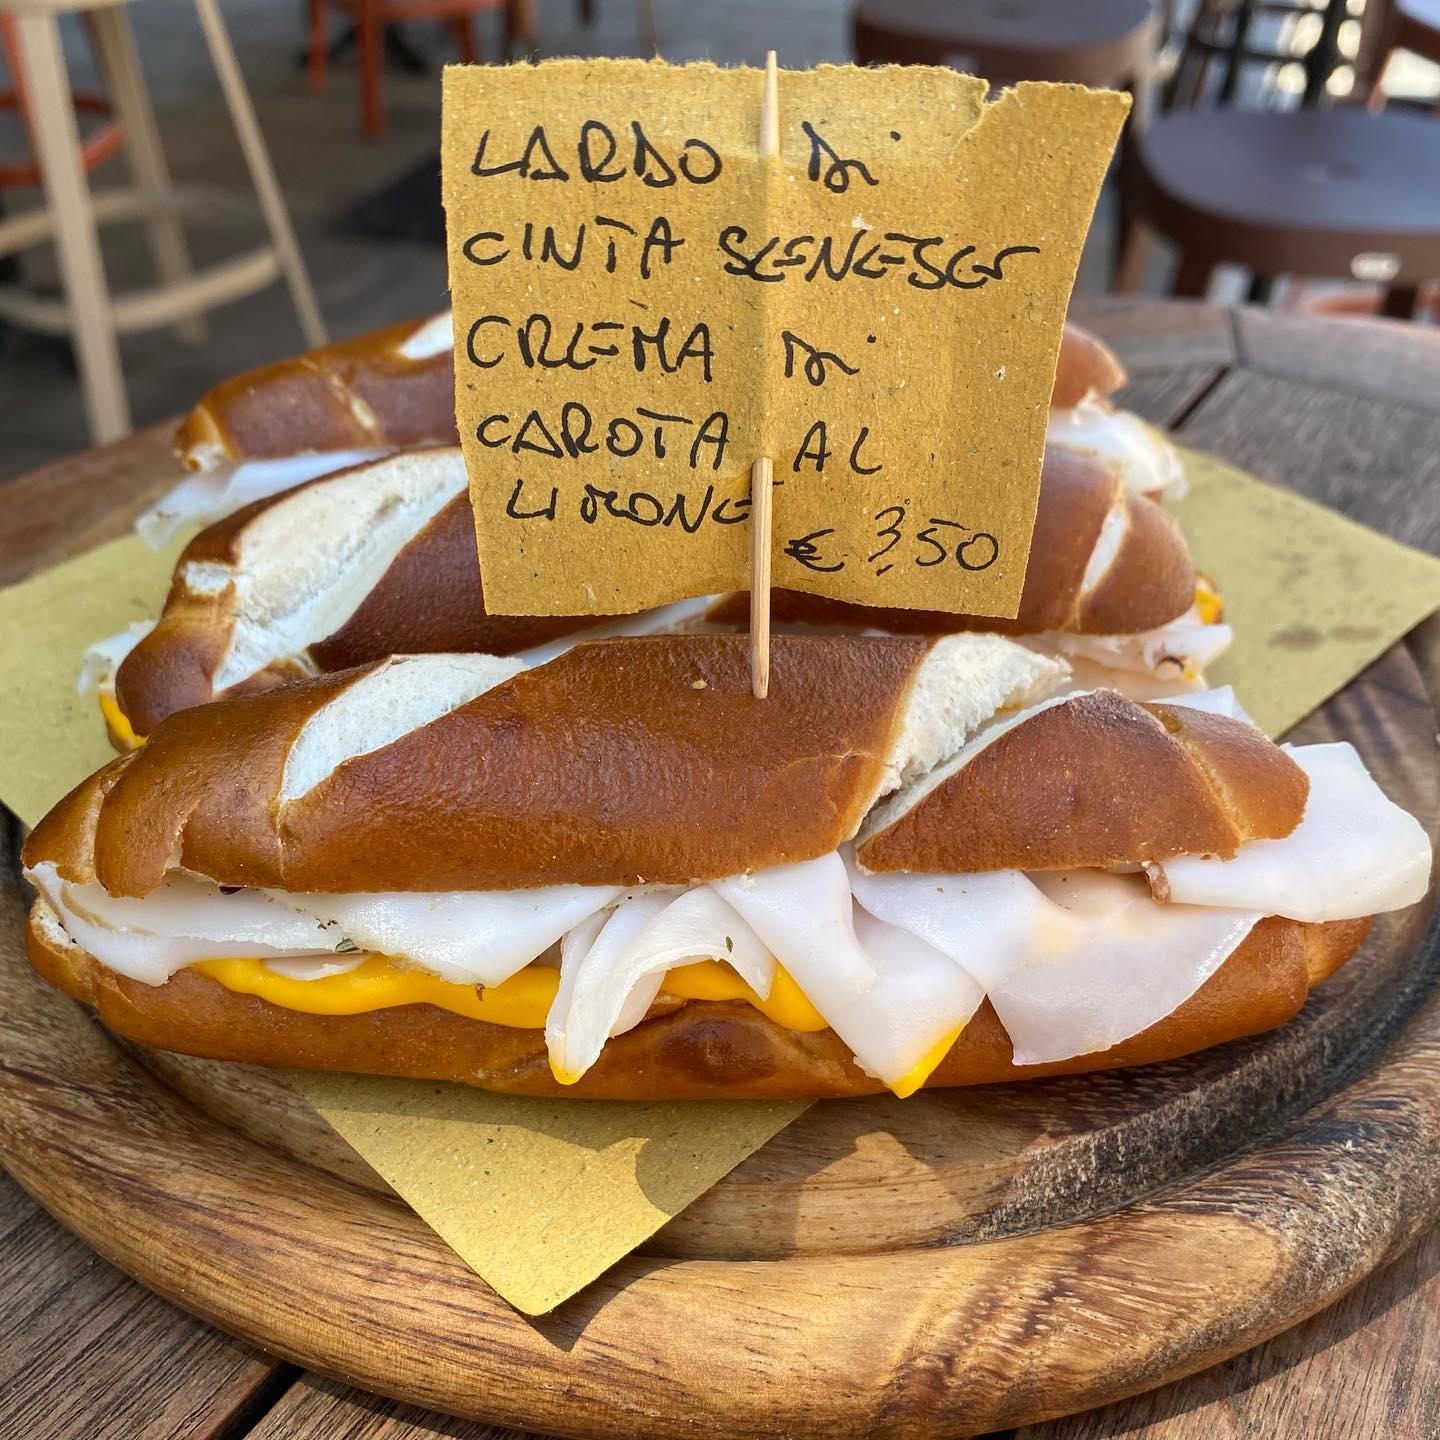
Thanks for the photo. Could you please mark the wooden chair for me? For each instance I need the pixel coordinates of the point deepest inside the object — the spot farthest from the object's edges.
(97, 147)
(1303, 192)
(1412, 25)
(1310, 192)
(92, 318)
(1098, 42)
(370, 17)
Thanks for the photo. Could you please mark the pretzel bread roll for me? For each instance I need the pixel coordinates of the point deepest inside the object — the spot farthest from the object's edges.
(1087, 367)
(1094, 781)
(364, 393)
(621, 761)
(1143, 577)
(648, 760)
(429, 601)
(370, 561)
(683, 1049)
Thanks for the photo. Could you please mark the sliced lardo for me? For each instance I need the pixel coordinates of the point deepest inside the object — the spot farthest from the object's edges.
(1179, 651)
(574, 1035)
(211, 495)
(1140, 454)
(470, 937)
(609, 974)
(891, 1003)
(183, 920)
(1355, 852)
(1072, 964)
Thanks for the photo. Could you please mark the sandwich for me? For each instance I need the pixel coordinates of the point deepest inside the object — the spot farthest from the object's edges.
(922, 861)
(270, 429)
(380, 559)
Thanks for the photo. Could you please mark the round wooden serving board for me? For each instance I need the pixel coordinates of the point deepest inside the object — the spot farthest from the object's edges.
(959, 1262)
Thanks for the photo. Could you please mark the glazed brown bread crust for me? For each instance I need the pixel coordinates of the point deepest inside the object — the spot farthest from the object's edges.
(363, 393)
(1096, 781)
(683, 1049)
(1087, 367)
(428, 601)
(358, 394)
(622, 760)
(1150, 583)
(648, 759)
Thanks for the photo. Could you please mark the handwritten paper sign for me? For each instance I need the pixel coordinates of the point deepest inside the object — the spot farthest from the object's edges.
(643, 306)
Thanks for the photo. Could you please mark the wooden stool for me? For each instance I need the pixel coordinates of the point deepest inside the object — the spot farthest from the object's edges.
(98, 146)
(89, 314)
(372, 16)
(1412, 25)
(1304, 192)
(1098, 42)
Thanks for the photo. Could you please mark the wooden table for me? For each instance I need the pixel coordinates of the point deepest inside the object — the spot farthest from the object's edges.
(1348, 411)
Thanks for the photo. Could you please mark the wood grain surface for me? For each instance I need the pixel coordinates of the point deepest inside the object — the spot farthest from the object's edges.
(1350, 1181)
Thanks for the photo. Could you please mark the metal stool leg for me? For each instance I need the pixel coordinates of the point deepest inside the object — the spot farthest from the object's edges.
(262, 174)
(57, 145)
(126, 84)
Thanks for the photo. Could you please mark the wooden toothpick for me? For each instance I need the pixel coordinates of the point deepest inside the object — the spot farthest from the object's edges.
(762, 473)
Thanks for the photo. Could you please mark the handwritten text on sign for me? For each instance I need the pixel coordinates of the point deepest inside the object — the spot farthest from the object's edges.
(643, 306)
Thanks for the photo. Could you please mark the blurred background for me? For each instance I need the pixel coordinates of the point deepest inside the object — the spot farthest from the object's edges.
(1283, 153)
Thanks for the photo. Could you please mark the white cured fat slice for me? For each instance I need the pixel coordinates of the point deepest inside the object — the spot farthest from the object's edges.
(1355, 852)
(470, 937)
(610, 972)
(102, 659)
(1222, 700)
(599, 995)
(183, 920)
(1147, 462)
(212, 494)
(1177, 652)
(222, 487)
(1066, 976)
(890, 1001)
(921, 999)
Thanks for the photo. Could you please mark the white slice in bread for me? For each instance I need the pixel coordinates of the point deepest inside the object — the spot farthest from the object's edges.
(963, 682)
(404, 693)
(302, 568)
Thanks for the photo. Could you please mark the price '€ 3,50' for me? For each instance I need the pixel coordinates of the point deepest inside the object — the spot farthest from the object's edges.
(643, 306)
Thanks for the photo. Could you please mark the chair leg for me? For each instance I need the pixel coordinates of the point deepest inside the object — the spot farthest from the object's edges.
(1192, 278)
(120, 64)
(1134, 257)
(520, 28)
(1401, 302)
(1260, 290)
(262, 173)
(464, 33)
(57, 145)
(645, 23)
(317, 55)
(369, 50)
